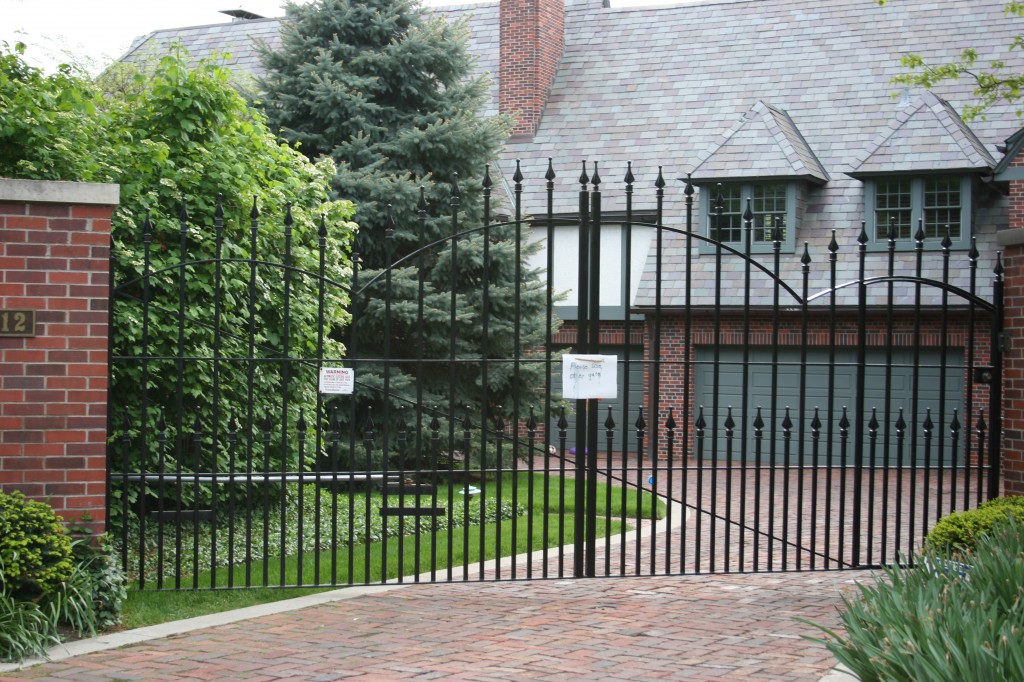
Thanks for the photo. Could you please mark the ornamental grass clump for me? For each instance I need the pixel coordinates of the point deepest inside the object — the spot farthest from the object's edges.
(921, 624)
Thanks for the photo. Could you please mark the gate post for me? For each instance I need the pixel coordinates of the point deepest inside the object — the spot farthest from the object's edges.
(54, 296)
(1012, 442)
(1012, 385)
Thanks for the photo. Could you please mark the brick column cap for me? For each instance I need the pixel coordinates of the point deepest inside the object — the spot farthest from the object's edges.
(60, 192)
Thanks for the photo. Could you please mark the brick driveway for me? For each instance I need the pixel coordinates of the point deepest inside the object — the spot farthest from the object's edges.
(725, 627)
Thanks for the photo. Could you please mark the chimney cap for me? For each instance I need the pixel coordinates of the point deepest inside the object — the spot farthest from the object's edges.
(241, 14)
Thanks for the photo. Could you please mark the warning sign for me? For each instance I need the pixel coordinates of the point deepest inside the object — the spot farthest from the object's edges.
(337, 380)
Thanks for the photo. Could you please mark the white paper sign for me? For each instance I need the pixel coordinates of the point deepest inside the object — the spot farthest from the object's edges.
(337, 380)
(589, 376)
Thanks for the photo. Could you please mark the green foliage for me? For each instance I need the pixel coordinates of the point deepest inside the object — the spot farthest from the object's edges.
(199, 139)
(993, 84)
(25, 629)
(47, 582)
(35, 552)
(48, 123)
(961, 531)
(364, 525)
(165, 135)
(389, 94)
(917, 624)
(100, 580)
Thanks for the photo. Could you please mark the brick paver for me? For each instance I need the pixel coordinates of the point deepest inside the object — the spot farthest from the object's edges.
(725, 627)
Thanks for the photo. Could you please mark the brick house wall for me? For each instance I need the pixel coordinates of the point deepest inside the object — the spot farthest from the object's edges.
(54, 260)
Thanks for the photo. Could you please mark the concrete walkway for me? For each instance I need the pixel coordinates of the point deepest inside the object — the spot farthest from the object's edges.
(724, 627)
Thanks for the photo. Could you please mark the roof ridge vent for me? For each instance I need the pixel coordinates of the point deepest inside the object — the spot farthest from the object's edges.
(241, 14)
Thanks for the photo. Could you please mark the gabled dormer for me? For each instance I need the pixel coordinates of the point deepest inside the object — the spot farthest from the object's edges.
(920, 171)
(763, 160)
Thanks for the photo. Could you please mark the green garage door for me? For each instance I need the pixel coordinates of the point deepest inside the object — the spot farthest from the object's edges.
(787, 381)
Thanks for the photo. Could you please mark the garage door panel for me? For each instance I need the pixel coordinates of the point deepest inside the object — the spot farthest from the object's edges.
(781, 387)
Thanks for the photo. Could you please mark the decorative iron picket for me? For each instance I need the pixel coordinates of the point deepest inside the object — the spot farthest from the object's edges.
(776, 429)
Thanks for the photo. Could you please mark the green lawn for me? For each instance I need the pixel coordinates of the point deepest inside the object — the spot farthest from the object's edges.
(540, 525)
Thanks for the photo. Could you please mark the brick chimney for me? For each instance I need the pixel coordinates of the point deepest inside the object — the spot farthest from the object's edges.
(532, 37)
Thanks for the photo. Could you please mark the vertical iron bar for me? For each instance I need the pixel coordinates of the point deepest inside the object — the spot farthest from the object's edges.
(517, 178)
(805, 263)
(318, 415)
(485, 352)
(180, 444)
(688, 192)
(548, 360)
(830, 418)
(215, 431)
(147, 245)
(563, 434)
(421, 271)
(268, 427)
(972, 264)
(748, 235)
(286, 373)
(300, 535)
(594, 301)
(995, 407)
(197, 445)
(254, 215)
(916, 384)
(161, 439)
(943, 349)
(773, 428)
(353, 355)
(583, 343)
(232, 494)
(887, 408)
(858, 415)
(389, 256)
(455, 201)
(716, 378)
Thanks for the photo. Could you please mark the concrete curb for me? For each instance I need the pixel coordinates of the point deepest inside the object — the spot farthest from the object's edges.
(120, 639)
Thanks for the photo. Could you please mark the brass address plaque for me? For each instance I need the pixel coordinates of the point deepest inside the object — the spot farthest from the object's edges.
(17, 323)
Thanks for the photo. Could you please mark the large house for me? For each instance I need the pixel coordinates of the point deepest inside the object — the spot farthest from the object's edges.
(789, 104)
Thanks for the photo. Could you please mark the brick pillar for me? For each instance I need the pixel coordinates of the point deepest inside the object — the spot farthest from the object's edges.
(54, 263)
(1012, 242)
(532, 36)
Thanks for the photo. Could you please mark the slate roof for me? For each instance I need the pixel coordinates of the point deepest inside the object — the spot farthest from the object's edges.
(232, 44)
(926, 136)
(805, 88)
(765, 143)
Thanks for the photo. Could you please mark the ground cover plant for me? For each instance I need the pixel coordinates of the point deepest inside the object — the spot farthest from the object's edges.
(927, 622)
(531, 528)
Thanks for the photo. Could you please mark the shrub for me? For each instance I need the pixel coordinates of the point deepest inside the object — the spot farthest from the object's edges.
(35, 551)
(915, 624)
(960, 532)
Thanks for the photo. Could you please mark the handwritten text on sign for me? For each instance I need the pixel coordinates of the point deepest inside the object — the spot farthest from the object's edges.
(589, 376)
(337, 380)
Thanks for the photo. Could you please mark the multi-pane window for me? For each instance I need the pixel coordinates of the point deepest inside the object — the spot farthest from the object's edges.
(938, 204)
(770, 202)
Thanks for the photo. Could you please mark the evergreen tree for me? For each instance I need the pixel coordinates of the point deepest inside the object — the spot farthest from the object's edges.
(389, 94)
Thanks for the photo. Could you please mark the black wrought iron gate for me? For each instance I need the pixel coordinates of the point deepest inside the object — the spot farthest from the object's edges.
(763, 413)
